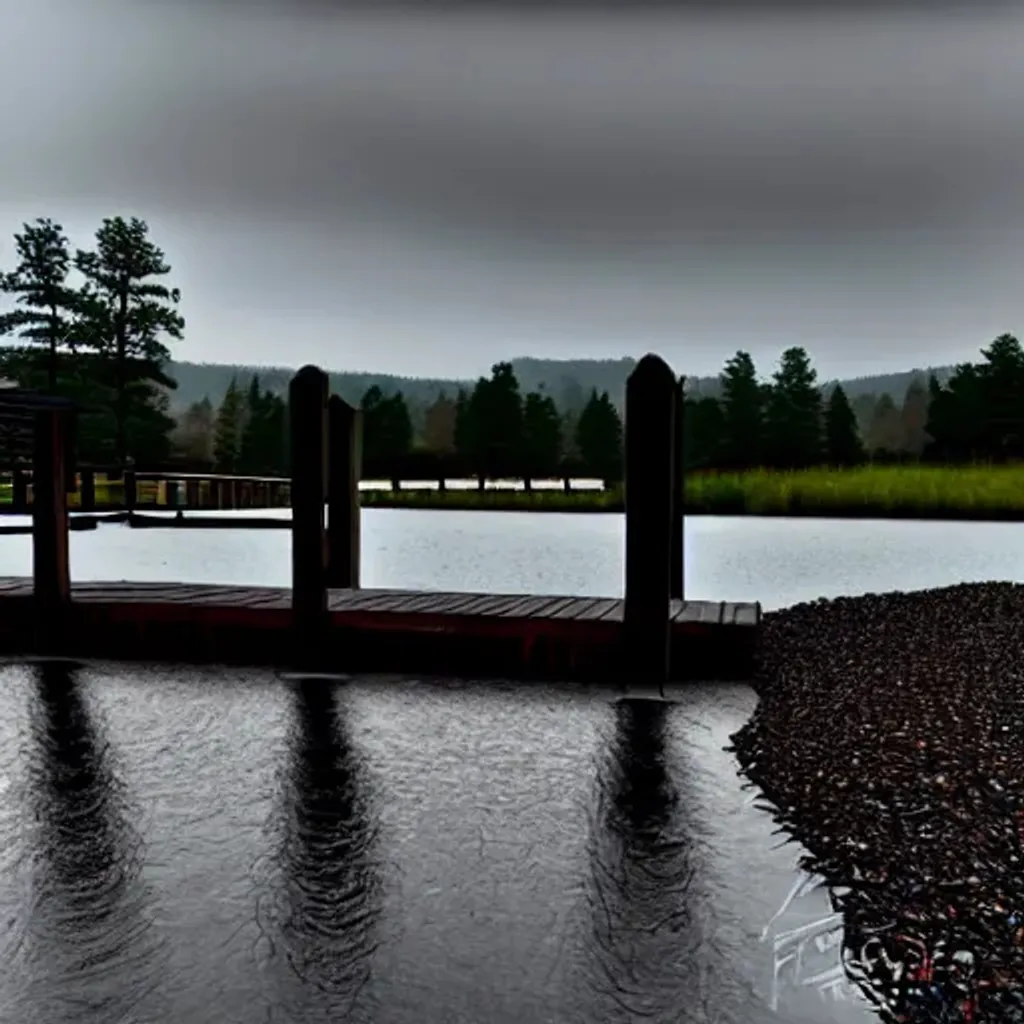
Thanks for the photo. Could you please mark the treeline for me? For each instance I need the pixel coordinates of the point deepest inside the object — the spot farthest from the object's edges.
(785, 422)
(91, 325)
(788, 422)
(488, 431)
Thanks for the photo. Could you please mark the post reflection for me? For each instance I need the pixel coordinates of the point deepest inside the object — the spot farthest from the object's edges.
(643, 937)
(331, 878)
(93, 941)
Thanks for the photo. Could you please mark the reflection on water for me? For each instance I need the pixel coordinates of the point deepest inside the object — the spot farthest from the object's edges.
(386, 851)
(330, 880)
(641, 874)
(91, 915)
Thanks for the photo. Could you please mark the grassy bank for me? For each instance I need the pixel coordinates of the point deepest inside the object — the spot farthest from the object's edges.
(887, 492)
(921, 492)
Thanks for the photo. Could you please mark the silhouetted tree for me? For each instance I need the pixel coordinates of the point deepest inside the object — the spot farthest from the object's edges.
(542, 436)
(599, 436)
(230, 423)
(439, 426)
(47, 316)
(262, 435)
(793, 418)
(842, 438)
(743, 414)
(127, 311)
(703, 431)
(387, 430)
(494, 420)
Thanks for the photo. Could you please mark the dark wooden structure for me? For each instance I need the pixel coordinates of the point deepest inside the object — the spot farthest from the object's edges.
(325, 622)
(385, 630)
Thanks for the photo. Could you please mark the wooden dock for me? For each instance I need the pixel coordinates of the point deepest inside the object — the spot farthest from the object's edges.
(380, 630)
(326, 622)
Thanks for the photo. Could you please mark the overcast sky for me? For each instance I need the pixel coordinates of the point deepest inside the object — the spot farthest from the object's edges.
(427, 195)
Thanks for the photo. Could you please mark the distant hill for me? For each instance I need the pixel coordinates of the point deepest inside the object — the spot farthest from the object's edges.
(569, 382)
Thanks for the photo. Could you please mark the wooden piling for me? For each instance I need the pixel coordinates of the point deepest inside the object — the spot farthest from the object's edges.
(678, 482)
(307, 396)
(650, 430)
(171, 493)
(87, 491)
(344, 447)
(192, 494)
(50, 564)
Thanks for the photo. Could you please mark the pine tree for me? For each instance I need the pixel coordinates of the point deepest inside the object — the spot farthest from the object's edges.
(128, 312)
(599, 437)
(842, 438)
(793, 420)
(48, 313)
(743, 414)
(227, 433)
(542, 436)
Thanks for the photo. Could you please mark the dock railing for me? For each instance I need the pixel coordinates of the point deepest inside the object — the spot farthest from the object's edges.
(323, 493)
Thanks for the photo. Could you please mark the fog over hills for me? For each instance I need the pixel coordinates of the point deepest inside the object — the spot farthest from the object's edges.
(569, 382)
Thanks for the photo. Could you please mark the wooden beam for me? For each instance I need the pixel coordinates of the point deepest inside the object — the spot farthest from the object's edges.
(678, 486)
(650, 429)
(50, 563)
(343, 525)
(307, 397)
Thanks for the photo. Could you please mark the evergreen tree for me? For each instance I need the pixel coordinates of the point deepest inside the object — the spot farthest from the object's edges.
(1001, 378)
(956, 416)
(227, 433)
(703, 430)
(743, 414)
(387, 430)
(494, 417)
(599, 437)
(47, 317)
(542, 436)
(842, 437)
(885, 432)
(914, 418)
(439, 426)
(193, 435)
(793, 420)
(128, 311)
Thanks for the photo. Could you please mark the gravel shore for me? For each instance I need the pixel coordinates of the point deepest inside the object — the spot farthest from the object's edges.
(889, 736)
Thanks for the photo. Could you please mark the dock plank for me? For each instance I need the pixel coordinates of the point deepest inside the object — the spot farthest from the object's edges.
(578, 634)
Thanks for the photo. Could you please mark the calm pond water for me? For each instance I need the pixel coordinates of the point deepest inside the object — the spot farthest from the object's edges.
(225, 845)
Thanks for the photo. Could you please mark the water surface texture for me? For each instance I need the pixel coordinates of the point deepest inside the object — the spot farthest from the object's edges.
(223, 845)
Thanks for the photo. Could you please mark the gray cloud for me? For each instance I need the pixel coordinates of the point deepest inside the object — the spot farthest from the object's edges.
(435, 193)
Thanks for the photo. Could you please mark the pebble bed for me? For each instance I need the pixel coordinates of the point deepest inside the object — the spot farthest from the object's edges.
(889, 740)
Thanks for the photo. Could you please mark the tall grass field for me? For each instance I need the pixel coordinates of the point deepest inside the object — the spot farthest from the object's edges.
(926, 492)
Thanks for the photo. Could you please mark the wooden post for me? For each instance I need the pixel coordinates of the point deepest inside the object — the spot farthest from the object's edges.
(192, 493)
(171, 491)
(131, 491)
(650, 435)
(307, 402)
(87, 494)
(50, 565)
(19, 491)
(678, 481)
(567, 484)
(345, 455)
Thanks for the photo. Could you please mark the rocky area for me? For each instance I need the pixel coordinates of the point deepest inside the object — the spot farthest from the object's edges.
(889, 739)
